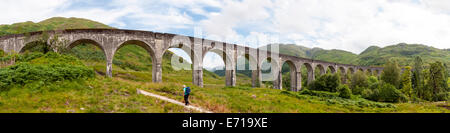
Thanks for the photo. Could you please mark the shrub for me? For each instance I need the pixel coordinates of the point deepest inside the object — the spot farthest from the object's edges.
(2, 53)
(327, 82)
(443, 96)
(29, 56)
(46, 69)
(358, 82)
(366, 93)
(391, 73)
(344, 92)
(386, 92)
(372, 80)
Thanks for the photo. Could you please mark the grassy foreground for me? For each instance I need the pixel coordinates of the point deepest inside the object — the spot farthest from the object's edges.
(112, 95)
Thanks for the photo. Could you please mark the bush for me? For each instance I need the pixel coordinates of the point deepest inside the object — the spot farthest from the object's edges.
(443, 96)
(359, 82)
(366, 93)
(345, 92)
(2, 53)
(49, 68)
(327, 82)
(391, 73)
(386, 92)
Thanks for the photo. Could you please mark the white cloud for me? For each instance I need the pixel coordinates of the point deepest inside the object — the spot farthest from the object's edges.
(351, 25)
(14, 11)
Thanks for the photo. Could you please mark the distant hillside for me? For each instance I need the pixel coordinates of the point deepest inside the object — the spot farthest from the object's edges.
(339, 56)
(403, 53)
(372, 56)
(56, 23)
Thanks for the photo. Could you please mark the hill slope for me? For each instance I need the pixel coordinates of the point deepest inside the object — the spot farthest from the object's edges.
(403, 53)
(334, 55)
(56, 23)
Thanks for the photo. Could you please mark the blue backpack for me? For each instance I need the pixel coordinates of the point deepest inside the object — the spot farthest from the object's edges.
(188, 91)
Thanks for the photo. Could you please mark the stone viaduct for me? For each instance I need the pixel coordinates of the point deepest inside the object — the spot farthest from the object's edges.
(110, 40)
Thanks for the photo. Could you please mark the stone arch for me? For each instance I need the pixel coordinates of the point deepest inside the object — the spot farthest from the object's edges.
(274, 74)
(108, 57)
(343, 73)
(369, 71)
(351, 70)
(90, 41)
(140, 43)
(295, 76)
(226, 57)
(378, 72)
(251, 59)
(361, 69)
(185, 44)
(228, 60)
(321, 68)
(332, 69)
(150, 50)
(31, 44)
(342, 69)
(310, 72)
(186, 48)
(252, 67)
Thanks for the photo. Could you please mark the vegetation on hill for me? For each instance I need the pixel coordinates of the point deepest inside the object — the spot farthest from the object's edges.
(56, 23)
(403, 53)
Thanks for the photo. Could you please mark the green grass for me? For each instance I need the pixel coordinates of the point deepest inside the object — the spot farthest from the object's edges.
(90, 96)
(55, 23)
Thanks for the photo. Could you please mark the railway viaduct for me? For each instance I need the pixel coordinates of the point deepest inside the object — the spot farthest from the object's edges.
(156, 44)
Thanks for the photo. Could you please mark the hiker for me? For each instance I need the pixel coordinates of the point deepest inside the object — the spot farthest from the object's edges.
(187, 91)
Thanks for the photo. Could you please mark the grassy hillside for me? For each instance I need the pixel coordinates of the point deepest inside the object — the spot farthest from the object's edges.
(403, 53)
(334, 55)
(56, 23)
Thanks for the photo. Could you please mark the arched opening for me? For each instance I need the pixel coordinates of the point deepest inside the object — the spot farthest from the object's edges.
(360, 69)
(307, 74)
(133, 60)
(343, 75)
(289, 78)
(369, 72)
(377, 73)
(351, 70)
(35, 46)
(91, 53)
(177, 65)
(319, 70)
(214, 63)
(331, 70)
(269, 72)
(245, 69)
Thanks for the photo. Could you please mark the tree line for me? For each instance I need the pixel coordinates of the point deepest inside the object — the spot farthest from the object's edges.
(414, 84)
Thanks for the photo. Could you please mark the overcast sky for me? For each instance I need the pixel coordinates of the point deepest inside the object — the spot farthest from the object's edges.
(351, 25)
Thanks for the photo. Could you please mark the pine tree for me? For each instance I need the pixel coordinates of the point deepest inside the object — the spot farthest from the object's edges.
(436, 79)
(418, 78)
(406, 82)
